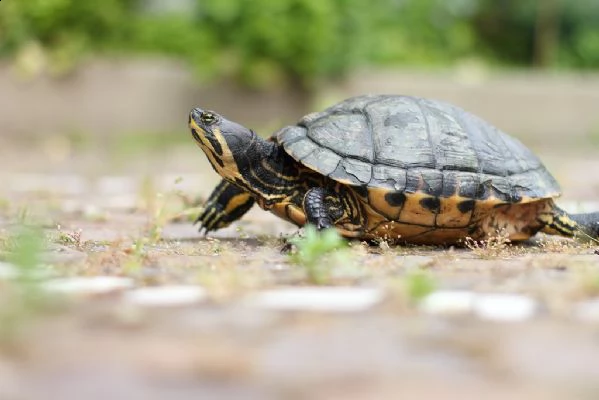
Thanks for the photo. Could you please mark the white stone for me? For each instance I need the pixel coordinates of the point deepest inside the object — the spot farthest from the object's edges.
(65, 184)
(504, 307)
(449, 302)
(587, 310)
(7, 271)
(324, 299)
(123, 201)
(166, 296)
(88, 285)
(111, 185)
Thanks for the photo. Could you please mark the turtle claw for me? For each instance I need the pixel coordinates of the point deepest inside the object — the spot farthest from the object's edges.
(324, 223)
(206, 219)
(226, 204)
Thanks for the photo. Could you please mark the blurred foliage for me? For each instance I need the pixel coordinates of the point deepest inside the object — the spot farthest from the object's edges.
(264, 43)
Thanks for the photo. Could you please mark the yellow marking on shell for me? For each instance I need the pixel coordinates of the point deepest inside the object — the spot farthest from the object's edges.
(413, 211)
(397, 231)
(376, 200)
(450, 216)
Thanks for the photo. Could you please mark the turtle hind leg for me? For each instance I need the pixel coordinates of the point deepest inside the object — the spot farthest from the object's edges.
(589, 224)
(582, 226)
(226, 204)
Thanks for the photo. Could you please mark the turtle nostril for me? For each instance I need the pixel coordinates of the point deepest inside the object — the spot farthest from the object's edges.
(195, 113)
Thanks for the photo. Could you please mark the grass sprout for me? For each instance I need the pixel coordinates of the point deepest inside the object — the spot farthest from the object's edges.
(318, 252)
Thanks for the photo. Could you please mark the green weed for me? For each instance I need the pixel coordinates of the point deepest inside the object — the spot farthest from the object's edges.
(70, 238)
(23, 296)
(164, 208)
(136, 256)
(318, 252)
(419, 284)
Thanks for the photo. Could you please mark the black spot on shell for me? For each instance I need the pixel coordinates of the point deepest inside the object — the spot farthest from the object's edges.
(483, 191)
(395, 199)
(466, 206)
(431, 203)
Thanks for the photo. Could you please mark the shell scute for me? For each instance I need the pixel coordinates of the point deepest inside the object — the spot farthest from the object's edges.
(419, 147)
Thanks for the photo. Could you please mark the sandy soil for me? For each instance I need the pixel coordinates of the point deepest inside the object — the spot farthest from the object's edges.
(97, 205)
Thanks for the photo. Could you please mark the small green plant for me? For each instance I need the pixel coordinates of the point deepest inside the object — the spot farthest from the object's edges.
(318, 251)
(23, 217)
(24, 296)
(70, 238)
(136, 256)
(419, 284)
(4, 205)
(163, 208)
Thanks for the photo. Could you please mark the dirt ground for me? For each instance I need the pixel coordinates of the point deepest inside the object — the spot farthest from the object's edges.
(112, 211)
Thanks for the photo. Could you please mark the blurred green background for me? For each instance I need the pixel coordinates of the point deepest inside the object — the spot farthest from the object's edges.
(302, 42)
(125, 73)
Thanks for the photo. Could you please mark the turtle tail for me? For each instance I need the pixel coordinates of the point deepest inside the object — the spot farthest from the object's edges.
(582, 226)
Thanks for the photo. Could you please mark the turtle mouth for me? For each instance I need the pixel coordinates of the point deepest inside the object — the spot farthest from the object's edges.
(194, 127)
(195, 135)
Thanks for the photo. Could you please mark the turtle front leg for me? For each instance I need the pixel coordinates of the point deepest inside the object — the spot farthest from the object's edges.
(226, 204)
(319, 207)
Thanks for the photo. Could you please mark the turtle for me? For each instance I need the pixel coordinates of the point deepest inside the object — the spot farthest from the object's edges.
(385, 167)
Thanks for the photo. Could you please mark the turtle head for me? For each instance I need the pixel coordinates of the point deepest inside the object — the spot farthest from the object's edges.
(225, 143)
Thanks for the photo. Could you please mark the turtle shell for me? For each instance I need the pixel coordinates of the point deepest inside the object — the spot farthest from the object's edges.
(399, 145)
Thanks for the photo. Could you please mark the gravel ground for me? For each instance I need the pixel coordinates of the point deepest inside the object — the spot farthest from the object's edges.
(136, 304)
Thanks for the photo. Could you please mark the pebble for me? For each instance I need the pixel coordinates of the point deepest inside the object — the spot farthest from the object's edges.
(449, 302)
(64, 184)
(111, 185)
(504, 307)
(7, 271)
(94, 285)
(490, 307)
(122, 201)
(587, 310)
(323, 299)
(166, 296)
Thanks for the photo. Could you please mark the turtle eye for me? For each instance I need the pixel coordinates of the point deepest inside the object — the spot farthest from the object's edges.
(208, 118)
